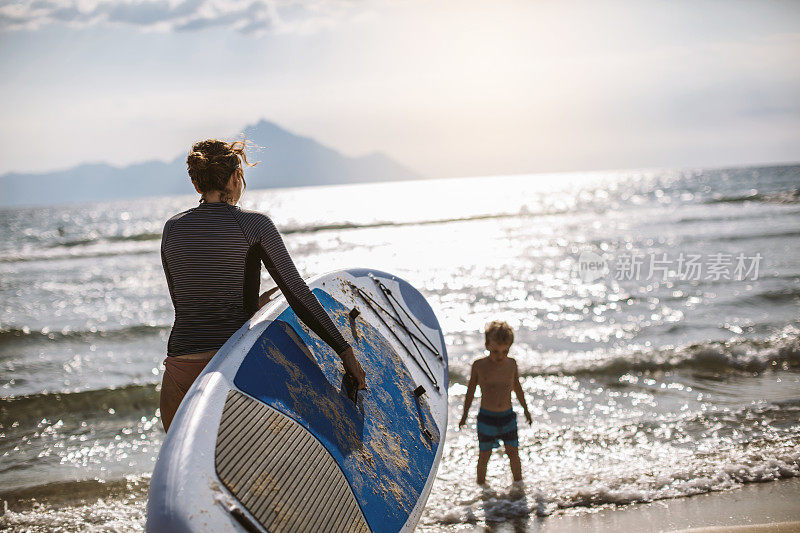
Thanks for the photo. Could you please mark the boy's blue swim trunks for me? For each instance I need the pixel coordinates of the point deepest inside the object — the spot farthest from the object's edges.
(494, 426)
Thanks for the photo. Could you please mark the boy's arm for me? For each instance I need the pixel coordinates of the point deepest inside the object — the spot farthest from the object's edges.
(521, 394)
(473, 382)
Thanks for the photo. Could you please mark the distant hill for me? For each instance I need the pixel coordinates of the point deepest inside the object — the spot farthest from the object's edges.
(286, 160)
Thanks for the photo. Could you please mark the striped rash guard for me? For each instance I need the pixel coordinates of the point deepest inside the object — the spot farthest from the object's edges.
(212, 257)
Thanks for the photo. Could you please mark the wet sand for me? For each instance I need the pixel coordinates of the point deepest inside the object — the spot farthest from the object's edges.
(780, 527)
(758, 507)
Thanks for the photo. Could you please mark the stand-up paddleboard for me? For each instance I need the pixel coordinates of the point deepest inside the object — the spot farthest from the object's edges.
(267, 438)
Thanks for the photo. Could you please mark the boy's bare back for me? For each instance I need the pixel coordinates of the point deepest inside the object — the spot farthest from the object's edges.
(496, 380)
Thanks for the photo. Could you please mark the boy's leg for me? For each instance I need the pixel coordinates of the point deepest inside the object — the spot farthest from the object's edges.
(483, 460)
(516, 464)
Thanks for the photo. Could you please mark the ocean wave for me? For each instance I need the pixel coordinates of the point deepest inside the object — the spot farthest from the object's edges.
(87, 505)
(10, 335)
(91, 245)
(784, 197)
(687, 483)
(311, 228)
(146, 236)
(67, 493)
(758, 236)
(83, 254)
(777, 296)
(743, 355)
(737, 355)
(728, 467)
(32, 408)
(422, 222)
(771, 214)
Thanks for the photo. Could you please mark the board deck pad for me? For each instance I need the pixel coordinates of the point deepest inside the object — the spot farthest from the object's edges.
(380, 444)
(281, 473)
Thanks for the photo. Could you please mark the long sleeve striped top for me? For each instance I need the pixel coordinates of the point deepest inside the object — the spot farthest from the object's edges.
(212, 257)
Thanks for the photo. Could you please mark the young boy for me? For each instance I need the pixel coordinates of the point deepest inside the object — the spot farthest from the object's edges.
(497, 376)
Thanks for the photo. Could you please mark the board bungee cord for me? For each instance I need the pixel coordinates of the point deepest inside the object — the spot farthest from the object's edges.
(390, 297)
(398, 319)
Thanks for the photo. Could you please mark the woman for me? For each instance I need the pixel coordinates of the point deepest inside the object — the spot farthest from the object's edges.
(212, 258)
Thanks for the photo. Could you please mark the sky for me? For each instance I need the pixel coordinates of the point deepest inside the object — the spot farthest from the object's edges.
(457, 88)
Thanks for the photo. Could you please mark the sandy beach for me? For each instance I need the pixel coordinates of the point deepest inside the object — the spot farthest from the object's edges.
(772, 507)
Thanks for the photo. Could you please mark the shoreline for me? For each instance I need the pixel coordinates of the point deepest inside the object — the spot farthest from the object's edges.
(772, 506)
(769, 507)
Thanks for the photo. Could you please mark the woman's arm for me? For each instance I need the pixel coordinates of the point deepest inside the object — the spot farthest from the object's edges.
(280, 266)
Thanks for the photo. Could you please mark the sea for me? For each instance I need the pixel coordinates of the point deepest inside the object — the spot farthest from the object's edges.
(656, 317)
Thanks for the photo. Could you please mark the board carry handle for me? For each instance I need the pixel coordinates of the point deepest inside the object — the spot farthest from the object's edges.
(418, 392)
(349, 384)
(353, 314)
(350, 387)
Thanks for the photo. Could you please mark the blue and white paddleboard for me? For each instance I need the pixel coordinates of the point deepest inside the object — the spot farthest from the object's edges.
(267, 439)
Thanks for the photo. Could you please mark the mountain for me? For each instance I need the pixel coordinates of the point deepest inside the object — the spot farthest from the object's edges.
(285, 160)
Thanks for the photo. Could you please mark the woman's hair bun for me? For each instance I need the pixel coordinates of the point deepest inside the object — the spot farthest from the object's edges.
(211, 162)
(197, 160)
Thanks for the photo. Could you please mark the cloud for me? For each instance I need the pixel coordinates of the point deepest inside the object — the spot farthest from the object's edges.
(245, 16)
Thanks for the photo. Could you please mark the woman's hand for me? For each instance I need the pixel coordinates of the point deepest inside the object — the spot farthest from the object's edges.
(266, 297)
(353, 367)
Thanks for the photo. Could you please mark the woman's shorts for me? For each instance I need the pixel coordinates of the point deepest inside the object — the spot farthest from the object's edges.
(494, 426)
(178, 377)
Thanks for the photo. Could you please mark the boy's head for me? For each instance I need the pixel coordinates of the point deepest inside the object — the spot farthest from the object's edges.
(499, 338)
